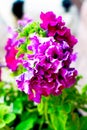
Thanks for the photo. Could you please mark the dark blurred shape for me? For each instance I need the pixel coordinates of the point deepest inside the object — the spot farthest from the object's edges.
(66, 4)
(17, 8)
(36, 127)
(78, 112)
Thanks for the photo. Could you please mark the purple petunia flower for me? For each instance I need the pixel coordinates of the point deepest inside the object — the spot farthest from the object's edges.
(46, 60)
(24, 21)
(56, 27)
(48, 64)
(49, 18)
(11, 50)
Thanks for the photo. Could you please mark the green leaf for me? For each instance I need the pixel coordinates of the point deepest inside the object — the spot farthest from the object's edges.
(83, 123)
(20, 70)
(9, 118)
(27, 124)
(2, 91)
(73, 122)
(17, 106)
(31, 28)
(2, 84)
(67, 107)
(78, 78)
(84, 90)
(4, 109)
(58, 120)
(22, 49)
(2, 123)
(25, 115)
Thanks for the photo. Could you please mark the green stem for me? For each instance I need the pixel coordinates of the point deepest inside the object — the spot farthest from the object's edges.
(46, 112)
(40, 127)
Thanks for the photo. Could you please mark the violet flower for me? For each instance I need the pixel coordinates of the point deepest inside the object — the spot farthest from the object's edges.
(50, 74)
(11, 50)
(56, 27)
(46, 60)
(24, 21)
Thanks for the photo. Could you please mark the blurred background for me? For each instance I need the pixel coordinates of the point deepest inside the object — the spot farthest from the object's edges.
(74, 13)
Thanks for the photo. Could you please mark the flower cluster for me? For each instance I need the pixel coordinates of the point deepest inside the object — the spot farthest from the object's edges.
(45, 51)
